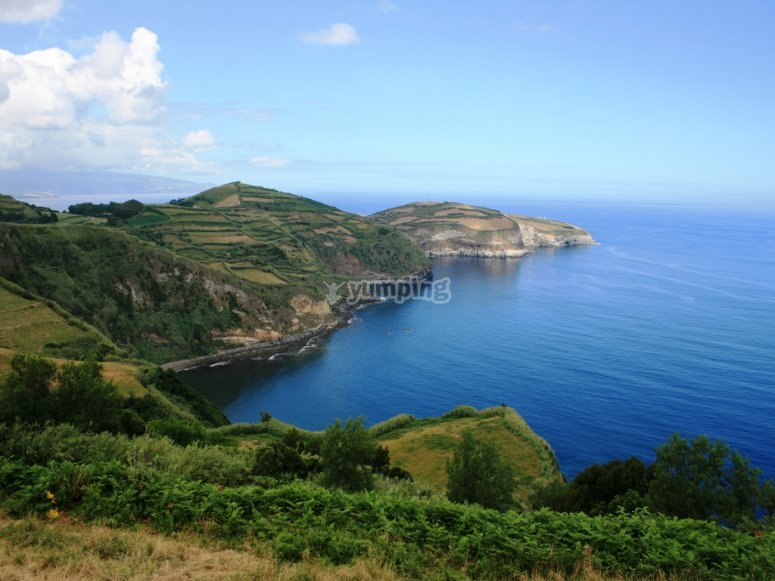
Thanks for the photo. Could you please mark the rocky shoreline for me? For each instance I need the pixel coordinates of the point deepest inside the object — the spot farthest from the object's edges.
(291, 345)
(285, 347)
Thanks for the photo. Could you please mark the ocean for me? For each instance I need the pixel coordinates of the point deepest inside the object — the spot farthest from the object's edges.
(667, 325)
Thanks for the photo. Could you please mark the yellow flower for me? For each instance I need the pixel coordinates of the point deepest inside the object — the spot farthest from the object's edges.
(49, 495)
(53, 514)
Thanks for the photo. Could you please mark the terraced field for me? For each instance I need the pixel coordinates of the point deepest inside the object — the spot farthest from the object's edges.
(271, 237)
(448, 228)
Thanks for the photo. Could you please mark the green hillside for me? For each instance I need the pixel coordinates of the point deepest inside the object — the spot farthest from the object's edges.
(423, 447)
(273, 237)
(229, 267)
(12, 210)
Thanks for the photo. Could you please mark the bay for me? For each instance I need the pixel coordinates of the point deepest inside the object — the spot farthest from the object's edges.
(665, 326)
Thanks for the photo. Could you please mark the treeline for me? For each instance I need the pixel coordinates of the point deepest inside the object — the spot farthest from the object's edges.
(695, 478)
(116, 212)
(37, 392)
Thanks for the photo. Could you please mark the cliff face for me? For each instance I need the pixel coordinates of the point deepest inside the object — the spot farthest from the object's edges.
(542, 232)
(452, 229)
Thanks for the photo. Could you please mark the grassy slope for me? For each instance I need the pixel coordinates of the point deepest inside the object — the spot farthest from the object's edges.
(422, 447)
(231, 264)
(14, 210)
(274, 237)
(423, 219)
(31, 326)
(481, 226)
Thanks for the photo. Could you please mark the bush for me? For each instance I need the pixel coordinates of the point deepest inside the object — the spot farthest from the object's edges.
(180, 431)
(477, 474)
(704, 479)
(346, 455)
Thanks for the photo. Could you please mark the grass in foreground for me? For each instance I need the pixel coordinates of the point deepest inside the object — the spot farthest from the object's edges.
(33, 549)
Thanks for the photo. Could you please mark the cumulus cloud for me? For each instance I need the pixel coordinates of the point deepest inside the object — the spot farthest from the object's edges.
(24, 11)
(101, 110)
(200, 139)
(339, 34)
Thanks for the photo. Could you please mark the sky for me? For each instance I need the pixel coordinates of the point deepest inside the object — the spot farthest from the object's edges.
(646, 99)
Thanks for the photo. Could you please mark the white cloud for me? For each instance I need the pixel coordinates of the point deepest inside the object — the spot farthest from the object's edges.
(102, 110)
(386, 7)
(200, 139)
(525, 27)
(269, 162)
(24, 11)
(339, 34)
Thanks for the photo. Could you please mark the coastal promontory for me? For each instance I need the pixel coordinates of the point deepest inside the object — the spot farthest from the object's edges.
(455, 229)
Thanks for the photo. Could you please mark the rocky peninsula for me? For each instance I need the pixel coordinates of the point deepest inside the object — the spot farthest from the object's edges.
(454, 229)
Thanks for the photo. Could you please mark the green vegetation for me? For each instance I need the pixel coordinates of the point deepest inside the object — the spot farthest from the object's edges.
(264, 235)
(438, 226)
(347, 454)
(115, 212)
(699, 479)
(12, 210)
(284, 491)
(424, 447)
(152, 303)
(94, 437)
(223, 268)
(477, 474)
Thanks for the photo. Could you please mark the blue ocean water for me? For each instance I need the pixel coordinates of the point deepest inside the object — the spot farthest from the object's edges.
(668, 325)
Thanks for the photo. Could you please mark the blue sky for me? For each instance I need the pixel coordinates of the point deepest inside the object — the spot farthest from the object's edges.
(574, 98)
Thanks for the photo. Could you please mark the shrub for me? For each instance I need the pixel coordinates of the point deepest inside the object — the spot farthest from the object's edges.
(346, 455)
(477, 474)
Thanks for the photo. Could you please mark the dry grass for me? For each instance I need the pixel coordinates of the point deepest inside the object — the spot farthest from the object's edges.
(424, 451)
(486, 224)
(259, 276)
(28, 325)
(124, 377)
(228, 202)
(465, 210)
(545, 225)
(221, 237)
(31, 549)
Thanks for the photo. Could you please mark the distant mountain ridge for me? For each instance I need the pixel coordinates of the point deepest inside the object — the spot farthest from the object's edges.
(59, 188)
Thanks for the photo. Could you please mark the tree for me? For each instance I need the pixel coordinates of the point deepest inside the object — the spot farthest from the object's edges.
(77, 394)
(477, 474)
(703, 479)
(26, 392)
(598, 489)
(85, 399)
(346, 455)
(601, 488)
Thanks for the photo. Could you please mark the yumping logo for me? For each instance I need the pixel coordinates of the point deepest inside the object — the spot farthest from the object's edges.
(398, 290)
